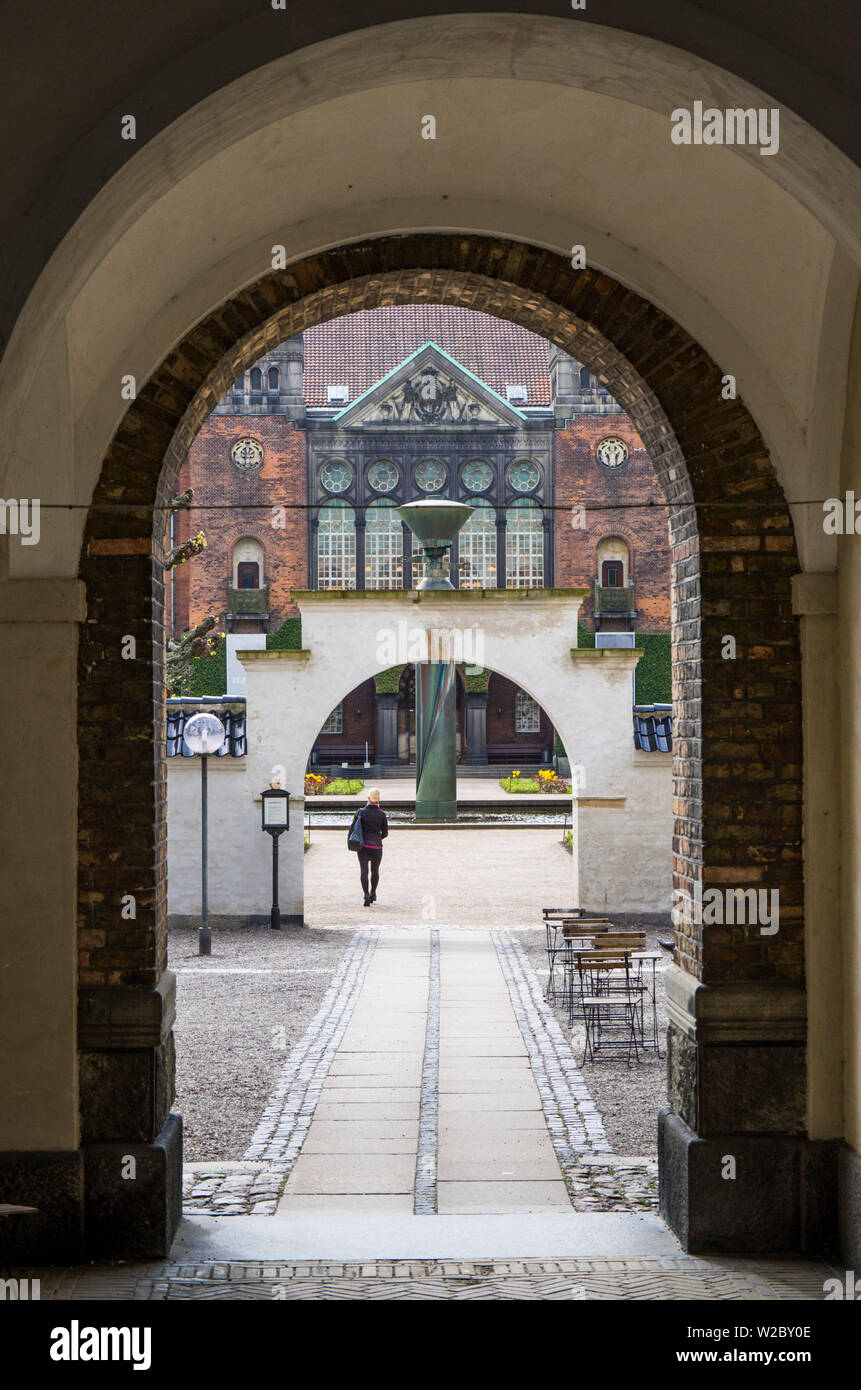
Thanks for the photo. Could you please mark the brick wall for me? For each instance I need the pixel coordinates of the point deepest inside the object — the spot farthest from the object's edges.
(201, 583)
(626, 502)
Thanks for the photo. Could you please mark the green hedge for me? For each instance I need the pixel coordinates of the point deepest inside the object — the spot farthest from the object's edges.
(654, 670)
(288, 637)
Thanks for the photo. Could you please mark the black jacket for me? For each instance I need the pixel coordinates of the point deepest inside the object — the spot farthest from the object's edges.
(374, 823)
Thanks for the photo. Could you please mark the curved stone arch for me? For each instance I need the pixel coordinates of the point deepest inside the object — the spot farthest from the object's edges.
(373, 670)
(627, 535)
(707, 453)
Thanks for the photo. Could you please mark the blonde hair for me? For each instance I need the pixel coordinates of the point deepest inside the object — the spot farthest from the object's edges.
(374, 794)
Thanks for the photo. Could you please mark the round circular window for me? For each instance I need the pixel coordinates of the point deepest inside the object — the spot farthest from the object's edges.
(247, 455)
(612, 452)
(383, 476)
(477, 476)
(524, 476)
(336, 477)
(430, 475)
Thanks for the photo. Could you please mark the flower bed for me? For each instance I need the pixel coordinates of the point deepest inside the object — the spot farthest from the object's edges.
(317, 785)
(546, 781)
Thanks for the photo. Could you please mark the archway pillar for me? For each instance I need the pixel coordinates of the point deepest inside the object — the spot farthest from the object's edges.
(738, 1171)
(749, 1146)
(40, 1158)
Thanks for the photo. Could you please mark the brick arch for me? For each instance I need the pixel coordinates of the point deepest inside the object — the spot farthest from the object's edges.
(732, 548)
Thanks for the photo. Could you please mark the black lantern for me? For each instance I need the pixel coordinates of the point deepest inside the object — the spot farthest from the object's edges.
(275, 820)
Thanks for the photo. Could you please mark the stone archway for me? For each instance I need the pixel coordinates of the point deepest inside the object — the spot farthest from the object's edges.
(737, 1032)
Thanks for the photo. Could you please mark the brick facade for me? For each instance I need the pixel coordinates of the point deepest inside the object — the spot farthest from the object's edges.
(626, 502)
(229, 505)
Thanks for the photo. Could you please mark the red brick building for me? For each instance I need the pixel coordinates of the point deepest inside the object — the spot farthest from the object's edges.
(298, 470)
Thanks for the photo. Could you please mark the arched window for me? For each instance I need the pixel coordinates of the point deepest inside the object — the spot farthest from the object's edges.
(477, 548)
(527, 714)
(247, 564)
(336, 546)
(256, 379)
(613, 562)
(585, 379)
(273, 378)
(524, 545)
(384, 546)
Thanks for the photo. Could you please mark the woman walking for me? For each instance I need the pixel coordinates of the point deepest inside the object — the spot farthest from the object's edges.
(375, 828)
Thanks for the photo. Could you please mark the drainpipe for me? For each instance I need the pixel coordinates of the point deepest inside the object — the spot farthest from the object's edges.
(172, 621)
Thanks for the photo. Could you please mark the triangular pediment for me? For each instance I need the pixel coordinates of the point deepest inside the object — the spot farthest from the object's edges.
(430, 389)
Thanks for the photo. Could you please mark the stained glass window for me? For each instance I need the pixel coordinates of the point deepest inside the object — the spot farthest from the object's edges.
(336, 547)
(524, 475)
(477, 475)
(524, 545)
(477, 548)
(384, 547)
(430, 475)
(527, 715)
(336, 476)
(383, 476)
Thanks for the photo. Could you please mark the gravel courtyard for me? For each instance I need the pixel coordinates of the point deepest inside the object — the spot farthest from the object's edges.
(239, 1012)
(628, 1097)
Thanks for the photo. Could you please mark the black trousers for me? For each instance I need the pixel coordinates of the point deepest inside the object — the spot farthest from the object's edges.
(370, 858)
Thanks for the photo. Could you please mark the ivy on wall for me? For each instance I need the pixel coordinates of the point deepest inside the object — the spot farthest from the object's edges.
(288, 637)
(388, 682)
(209, 673)
(654, 669)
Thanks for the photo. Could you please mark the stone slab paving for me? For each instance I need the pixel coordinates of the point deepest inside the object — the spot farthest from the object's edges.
(381, 1068)
(665, 1278)
(433, 1074)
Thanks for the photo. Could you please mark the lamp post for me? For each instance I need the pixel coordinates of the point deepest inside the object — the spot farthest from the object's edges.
(276, 819)
(203, 734)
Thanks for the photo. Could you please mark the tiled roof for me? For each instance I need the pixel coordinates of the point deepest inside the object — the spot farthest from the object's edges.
(358, 349)
(653, 728)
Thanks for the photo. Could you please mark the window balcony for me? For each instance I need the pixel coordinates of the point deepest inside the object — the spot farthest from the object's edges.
(610, 602)
(248, 603)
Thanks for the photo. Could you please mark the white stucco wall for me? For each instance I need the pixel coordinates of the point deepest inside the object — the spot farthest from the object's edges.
(622, 817)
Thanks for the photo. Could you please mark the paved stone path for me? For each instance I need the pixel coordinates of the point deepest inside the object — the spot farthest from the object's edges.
(440, 878)
(434, 1079)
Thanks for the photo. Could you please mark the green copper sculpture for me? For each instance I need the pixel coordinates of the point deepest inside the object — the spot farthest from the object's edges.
(435, 525)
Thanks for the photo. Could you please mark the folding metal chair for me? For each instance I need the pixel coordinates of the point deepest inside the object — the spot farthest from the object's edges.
(612, 1003)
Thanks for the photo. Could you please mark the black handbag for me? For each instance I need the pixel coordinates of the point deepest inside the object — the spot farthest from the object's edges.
(356, 834)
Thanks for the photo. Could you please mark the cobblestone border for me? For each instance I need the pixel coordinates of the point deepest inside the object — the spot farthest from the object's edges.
(425, 1194)
(287, 1117)
(572, 1116)
(253, 1185)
